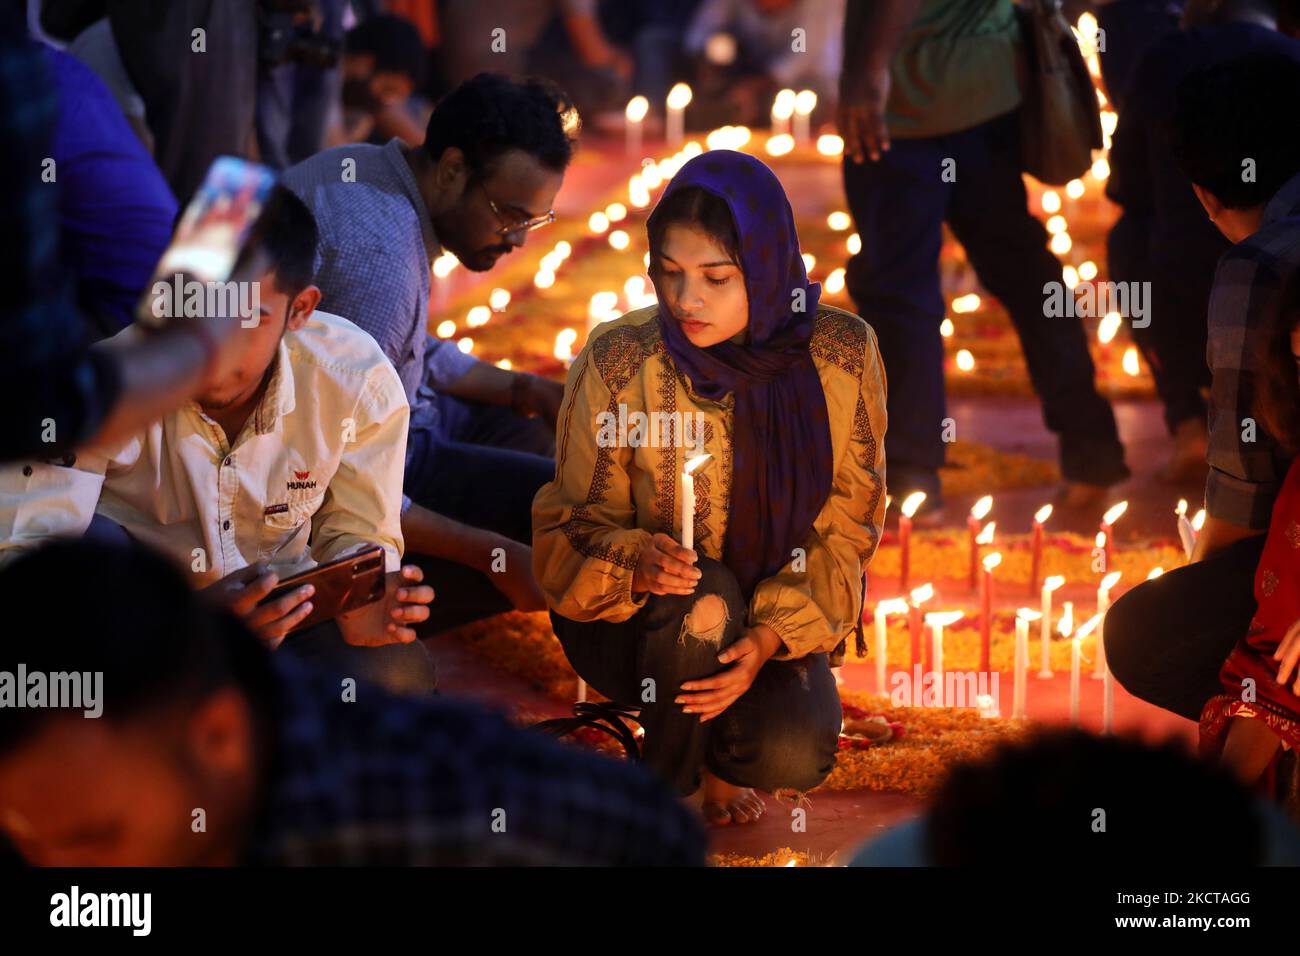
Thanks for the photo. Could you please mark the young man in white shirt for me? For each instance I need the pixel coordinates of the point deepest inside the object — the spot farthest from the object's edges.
(291, 458)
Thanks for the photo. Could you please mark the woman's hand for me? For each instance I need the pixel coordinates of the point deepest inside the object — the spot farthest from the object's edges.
(712, 695)
(1288, 652)
(665, 567)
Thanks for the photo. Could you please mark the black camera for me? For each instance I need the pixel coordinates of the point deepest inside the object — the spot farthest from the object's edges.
(288, 33)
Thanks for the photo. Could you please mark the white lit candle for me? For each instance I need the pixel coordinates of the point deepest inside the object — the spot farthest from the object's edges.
(804, 103)
(910, 504)
(688, 500)
(1023, 617)
(679, 97)
(1108, 527)
(635, 114)
(1103, 605)
(782, 110)
(1075, 650)
(1045, 629)
(1185, 533)
(937, 620)
(883, 609)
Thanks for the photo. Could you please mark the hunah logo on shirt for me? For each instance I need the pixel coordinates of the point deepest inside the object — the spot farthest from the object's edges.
(302, 481)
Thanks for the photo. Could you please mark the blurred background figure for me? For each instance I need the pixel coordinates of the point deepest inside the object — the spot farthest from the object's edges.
(385, 63)
(299, 47)
(742, 52)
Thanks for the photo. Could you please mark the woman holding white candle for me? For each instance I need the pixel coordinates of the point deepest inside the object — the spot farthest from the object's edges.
(737, 634)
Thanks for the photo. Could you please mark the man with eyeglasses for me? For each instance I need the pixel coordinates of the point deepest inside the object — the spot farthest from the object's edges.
(482, 438)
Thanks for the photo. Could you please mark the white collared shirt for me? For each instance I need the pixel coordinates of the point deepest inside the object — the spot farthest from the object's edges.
(321, 457)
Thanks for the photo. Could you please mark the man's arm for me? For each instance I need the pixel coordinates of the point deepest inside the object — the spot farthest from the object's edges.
(873, 32)
(527, 394)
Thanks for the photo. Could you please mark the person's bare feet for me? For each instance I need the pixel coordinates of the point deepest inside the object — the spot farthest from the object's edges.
(725, 803)
(1191, 442)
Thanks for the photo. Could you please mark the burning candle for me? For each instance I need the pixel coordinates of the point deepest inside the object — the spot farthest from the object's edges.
(782, 110)
(679, 97)
(936, 620)
(635, 113)
(1185, 533)
(688, 500)
(883, 609)
(1045, 629)
(1036, 547)
(1075, 653)
(1023, 617)
(1198, 522)
(1103, 605)
(804, 103)
(910, 504)
(986, 617)
(1108, 526)
(1155, 573)
(919, 596)
(973, 520)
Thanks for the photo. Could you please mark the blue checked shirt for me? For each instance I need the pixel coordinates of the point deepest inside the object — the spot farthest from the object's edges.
(410, 781)
(1245, 476)
(373, 257)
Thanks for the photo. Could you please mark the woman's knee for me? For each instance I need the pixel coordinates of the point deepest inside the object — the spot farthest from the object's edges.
(708, 612)
(1128, 627)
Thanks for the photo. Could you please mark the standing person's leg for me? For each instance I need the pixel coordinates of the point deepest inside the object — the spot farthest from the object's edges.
(1168, 637)
(783, 733)
(1007, 246)
(898, 204)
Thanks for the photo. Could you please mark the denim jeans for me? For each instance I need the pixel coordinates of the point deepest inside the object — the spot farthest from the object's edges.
(782, 733)
(396, 668)
(1168, 637)
(900, 204)
(481, 486)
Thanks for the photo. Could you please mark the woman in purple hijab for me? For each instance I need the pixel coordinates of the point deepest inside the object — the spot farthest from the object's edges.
(777, 402)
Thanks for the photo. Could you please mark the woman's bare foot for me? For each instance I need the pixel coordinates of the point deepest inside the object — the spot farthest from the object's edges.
(725, 803)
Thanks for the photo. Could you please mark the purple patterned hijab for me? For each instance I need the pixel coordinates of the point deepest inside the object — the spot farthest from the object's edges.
(781, 455)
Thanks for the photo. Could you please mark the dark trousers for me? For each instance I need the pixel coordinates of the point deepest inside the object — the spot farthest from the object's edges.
(397, 668)
(482, 486)
(900, 204)
(782, 733)
(1167, 638)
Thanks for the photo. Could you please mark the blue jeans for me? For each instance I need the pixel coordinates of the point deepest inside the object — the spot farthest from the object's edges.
(900, 204)
(782, 733)
(481, 486)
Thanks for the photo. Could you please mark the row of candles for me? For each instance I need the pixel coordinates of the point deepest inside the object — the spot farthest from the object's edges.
(981, 534)
(791, 117)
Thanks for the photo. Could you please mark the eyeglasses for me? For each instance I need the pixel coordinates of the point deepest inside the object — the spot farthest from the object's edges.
(508, 227)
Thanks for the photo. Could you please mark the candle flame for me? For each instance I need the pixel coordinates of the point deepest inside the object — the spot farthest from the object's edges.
(779, 145)
(1109, 580)
(564, 344)
(679, 97)
(793, 862)
(892, 606)
(830, 144)
(944, 618)
(783, 105)
(1181, 510)
(1155, 573)
(986, 536)
(912, 502)
(1100, 540)
(1042, 514)
(1054, 582)
(1028, 614)
(991, 561)
(922, 594)
(1198, 521)
(1067, 619)
(636, 109)
(805, 101)
(1114, 514)
(1088, 627)
(696, 462)
(981, 508)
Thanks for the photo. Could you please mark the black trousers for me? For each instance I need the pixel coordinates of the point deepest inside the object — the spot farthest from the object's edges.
(1167, 638)
(782, 733)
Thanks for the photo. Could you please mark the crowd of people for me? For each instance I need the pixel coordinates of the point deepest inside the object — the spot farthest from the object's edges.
(171, 475)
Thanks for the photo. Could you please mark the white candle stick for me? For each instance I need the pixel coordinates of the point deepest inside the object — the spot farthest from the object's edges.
(1023, 617)
(635, 114)
(1103, 605)
(782, 110)
(1075, 650)
(937, 620)
(688, 500)
(1185, 533)
(1045, 628)
(679, 97)
(804, 103)
(883, 609)
(1108, 703)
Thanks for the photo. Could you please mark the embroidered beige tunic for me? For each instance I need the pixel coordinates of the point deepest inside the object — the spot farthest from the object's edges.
(608, 498)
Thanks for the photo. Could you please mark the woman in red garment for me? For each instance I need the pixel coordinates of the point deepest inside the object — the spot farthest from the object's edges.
(1258, 711)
